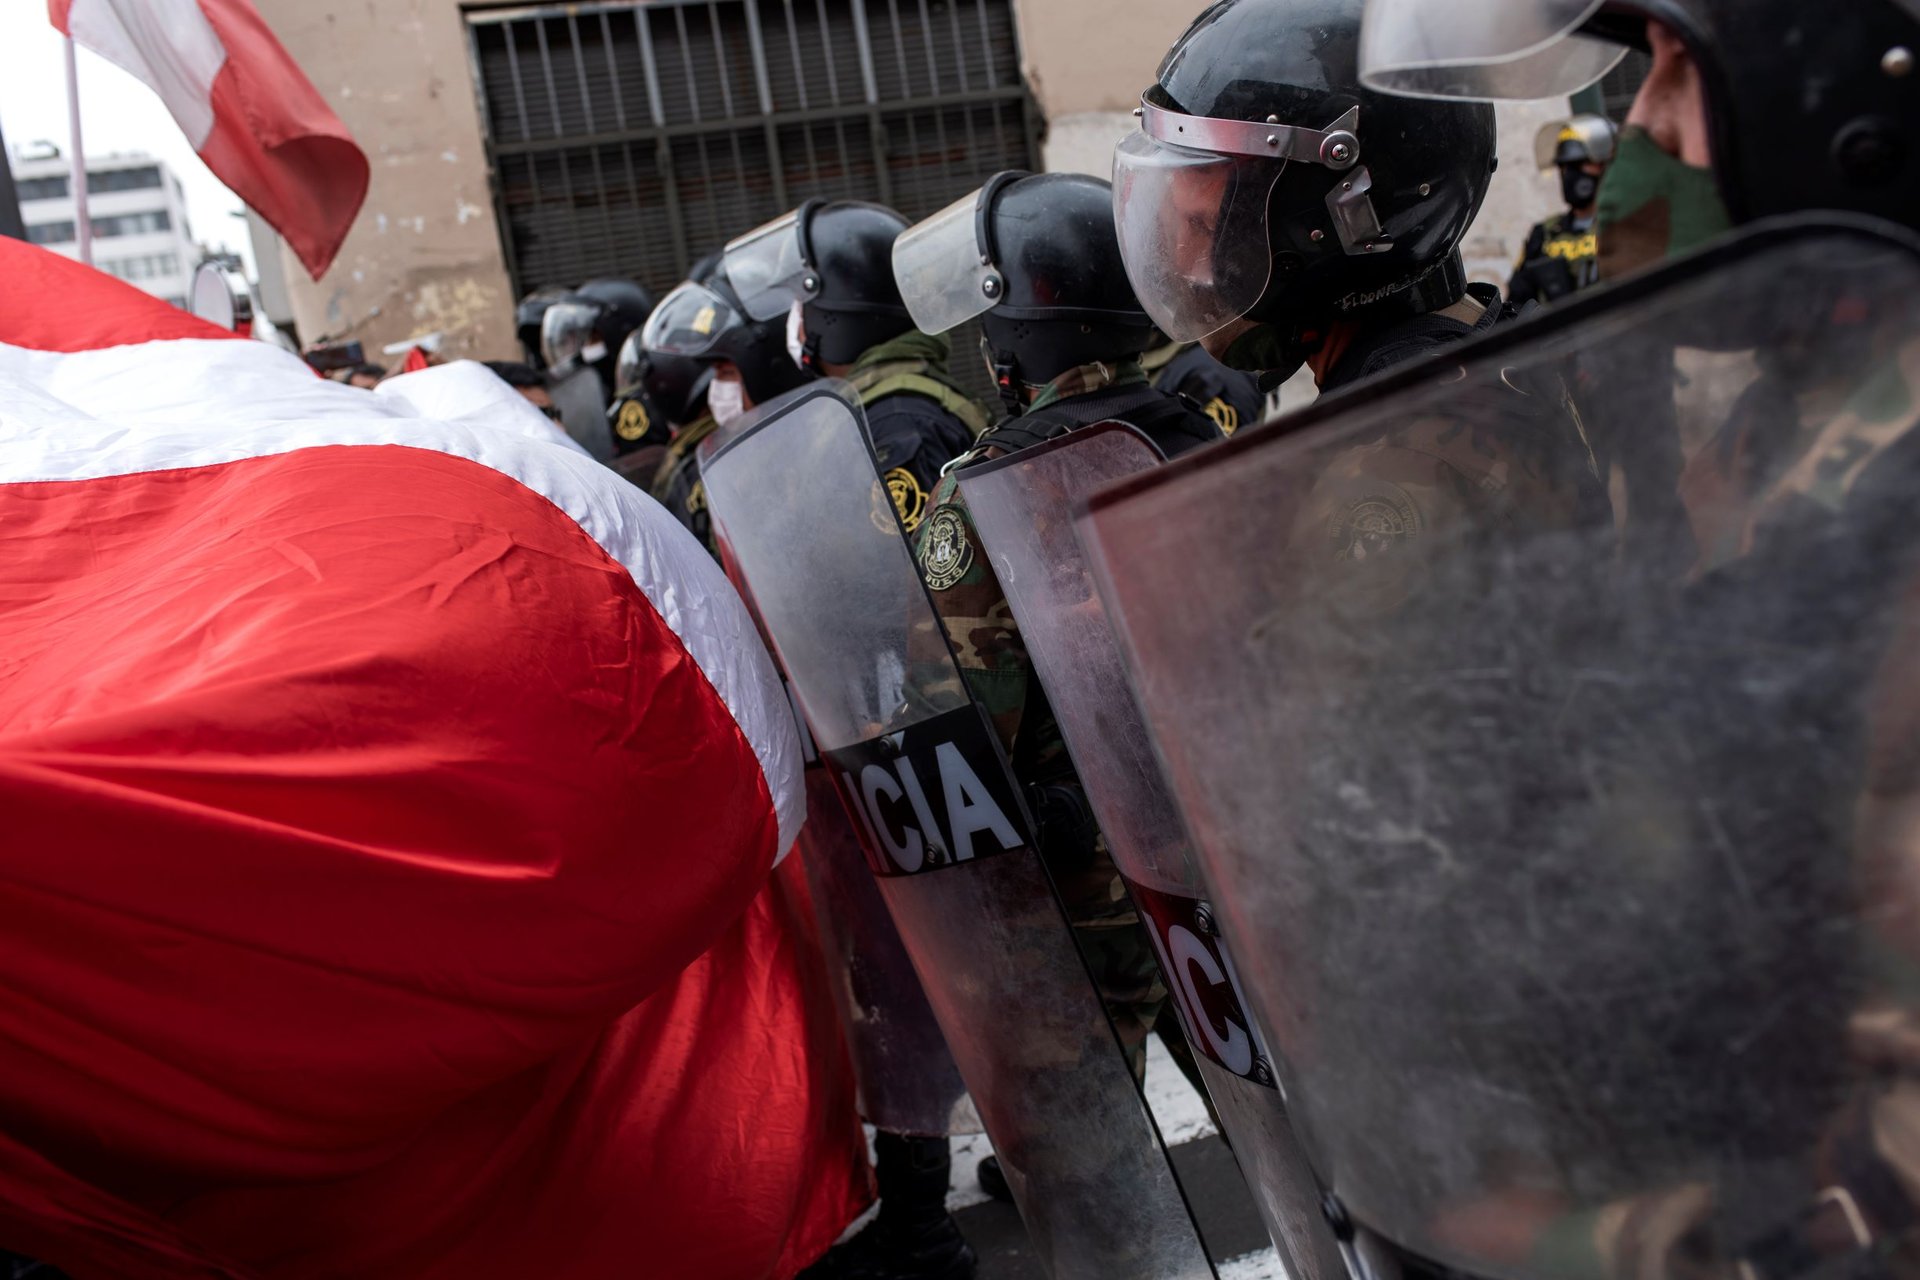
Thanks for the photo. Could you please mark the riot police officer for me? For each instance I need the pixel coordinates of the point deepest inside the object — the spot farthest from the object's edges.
(828, 268)
(1561, 254)
(1278, 212)
(705, 321)
(642, 425)
(527, 315)
(587, 326)
(580, 336)
(1035, 257)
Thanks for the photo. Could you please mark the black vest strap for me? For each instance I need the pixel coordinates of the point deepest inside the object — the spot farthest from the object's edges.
(1164, 419)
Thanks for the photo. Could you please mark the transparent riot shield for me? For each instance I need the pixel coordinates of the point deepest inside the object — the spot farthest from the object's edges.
(908, 1080)
(1022, 505)
(1546, 717)
(582, 402)
(807, 519)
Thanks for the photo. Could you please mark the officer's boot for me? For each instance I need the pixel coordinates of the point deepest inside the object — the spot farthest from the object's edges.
(914, 1237)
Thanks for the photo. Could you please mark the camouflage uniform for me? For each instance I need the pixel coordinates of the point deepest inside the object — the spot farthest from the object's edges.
(677, 487)
(987, 647)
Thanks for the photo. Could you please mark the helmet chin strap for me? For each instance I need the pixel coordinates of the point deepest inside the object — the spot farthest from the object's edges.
(1006, 378)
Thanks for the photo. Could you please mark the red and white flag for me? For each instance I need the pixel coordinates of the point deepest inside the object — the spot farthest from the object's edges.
(245, 105)
(392, 799)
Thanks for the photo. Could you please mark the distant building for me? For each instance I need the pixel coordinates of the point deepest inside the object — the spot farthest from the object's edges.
(140, 231)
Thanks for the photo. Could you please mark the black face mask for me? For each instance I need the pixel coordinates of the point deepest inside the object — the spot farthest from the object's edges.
(1577, 186)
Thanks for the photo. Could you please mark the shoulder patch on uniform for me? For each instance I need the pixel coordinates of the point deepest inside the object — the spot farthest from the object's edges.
(946, 553)
(633, 422)
(1224, 415)
(909, 497)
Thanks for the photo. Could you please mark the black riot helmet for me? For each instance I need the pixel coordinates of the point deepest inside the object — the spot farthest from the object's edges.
(1036, 258)
(527, 316)
(1808, 106)
(708, 323)
(834, 260)
(1265, 183)
(588, 325)
(674, 386)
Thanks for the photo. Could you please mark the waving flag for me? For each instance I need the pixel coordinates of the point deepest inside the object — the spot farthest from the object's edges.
(390, 795)
(246, 107)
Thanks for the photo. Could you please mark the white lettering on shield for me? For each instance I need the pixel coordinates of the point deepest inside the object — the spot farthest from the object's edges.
(1235, 1049)
(910, 852)
(970, 807)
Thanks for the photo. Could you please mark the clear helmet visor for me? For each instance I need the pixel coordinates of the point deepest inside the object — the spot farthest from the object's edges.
(1483, 49)
(565, 331)
(765, 269)
(937, 266)
(631, 364)
(688, 321)
(1193, 232)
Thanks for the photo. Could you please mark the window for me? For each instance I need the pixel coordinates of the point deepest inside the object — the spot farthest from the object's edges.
(50, 233)
(630, 139)
(132, 224)
(145, 266)
(123, 180)
(53, 188)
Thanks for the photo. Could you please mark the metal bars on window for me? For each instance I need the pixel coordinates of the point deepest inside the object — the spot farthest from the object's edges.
(631, 139)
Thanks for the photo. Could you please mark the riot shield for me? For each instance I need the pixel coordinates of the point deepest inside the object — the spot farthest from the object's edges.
(908, 1080)
(1022, 505)
(807, 519)
(582, 401)
(1563, 819)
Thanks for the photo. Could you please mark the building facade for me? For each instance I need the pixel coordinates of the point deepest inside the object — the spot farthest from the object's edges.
(519, 146)
(139, 215)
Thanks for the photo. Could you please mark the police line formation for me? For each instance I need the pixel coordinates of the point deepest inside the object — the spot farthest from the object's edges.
(1501, 769)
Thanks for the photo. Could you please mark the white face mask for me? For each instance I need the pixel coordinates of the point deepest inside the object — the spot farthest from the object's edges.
(593, 353)
(726, 400)
(797, 334)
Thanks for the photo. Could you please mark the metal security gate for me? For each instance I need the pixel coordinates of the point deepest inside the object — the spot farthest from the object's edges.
(631, 139)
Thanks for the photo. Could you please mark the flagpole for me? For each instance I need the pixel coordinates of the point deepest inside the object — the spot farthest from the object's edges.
(83, 223)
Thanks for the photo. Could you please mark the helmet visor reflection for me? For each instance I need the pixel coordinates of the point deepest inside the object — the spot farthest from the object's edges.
(564, 332)
(688, 322)
(765, 269)
(937, 265)
(631, 364)
(1193, 232)
(1490, 49)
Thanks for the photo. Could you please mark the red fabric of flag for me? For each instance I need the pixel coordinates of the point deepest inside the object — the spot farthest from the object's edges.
(389, 808)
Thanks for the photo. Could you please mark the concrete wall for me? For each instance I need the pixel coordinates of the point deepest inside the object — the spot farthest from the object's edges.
(424, 255)
(1088, 62)
(1520, 195)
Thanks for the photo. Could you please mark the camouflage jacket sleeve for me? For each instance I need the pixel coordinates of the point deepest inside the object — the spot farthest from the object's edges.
(973, 612)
